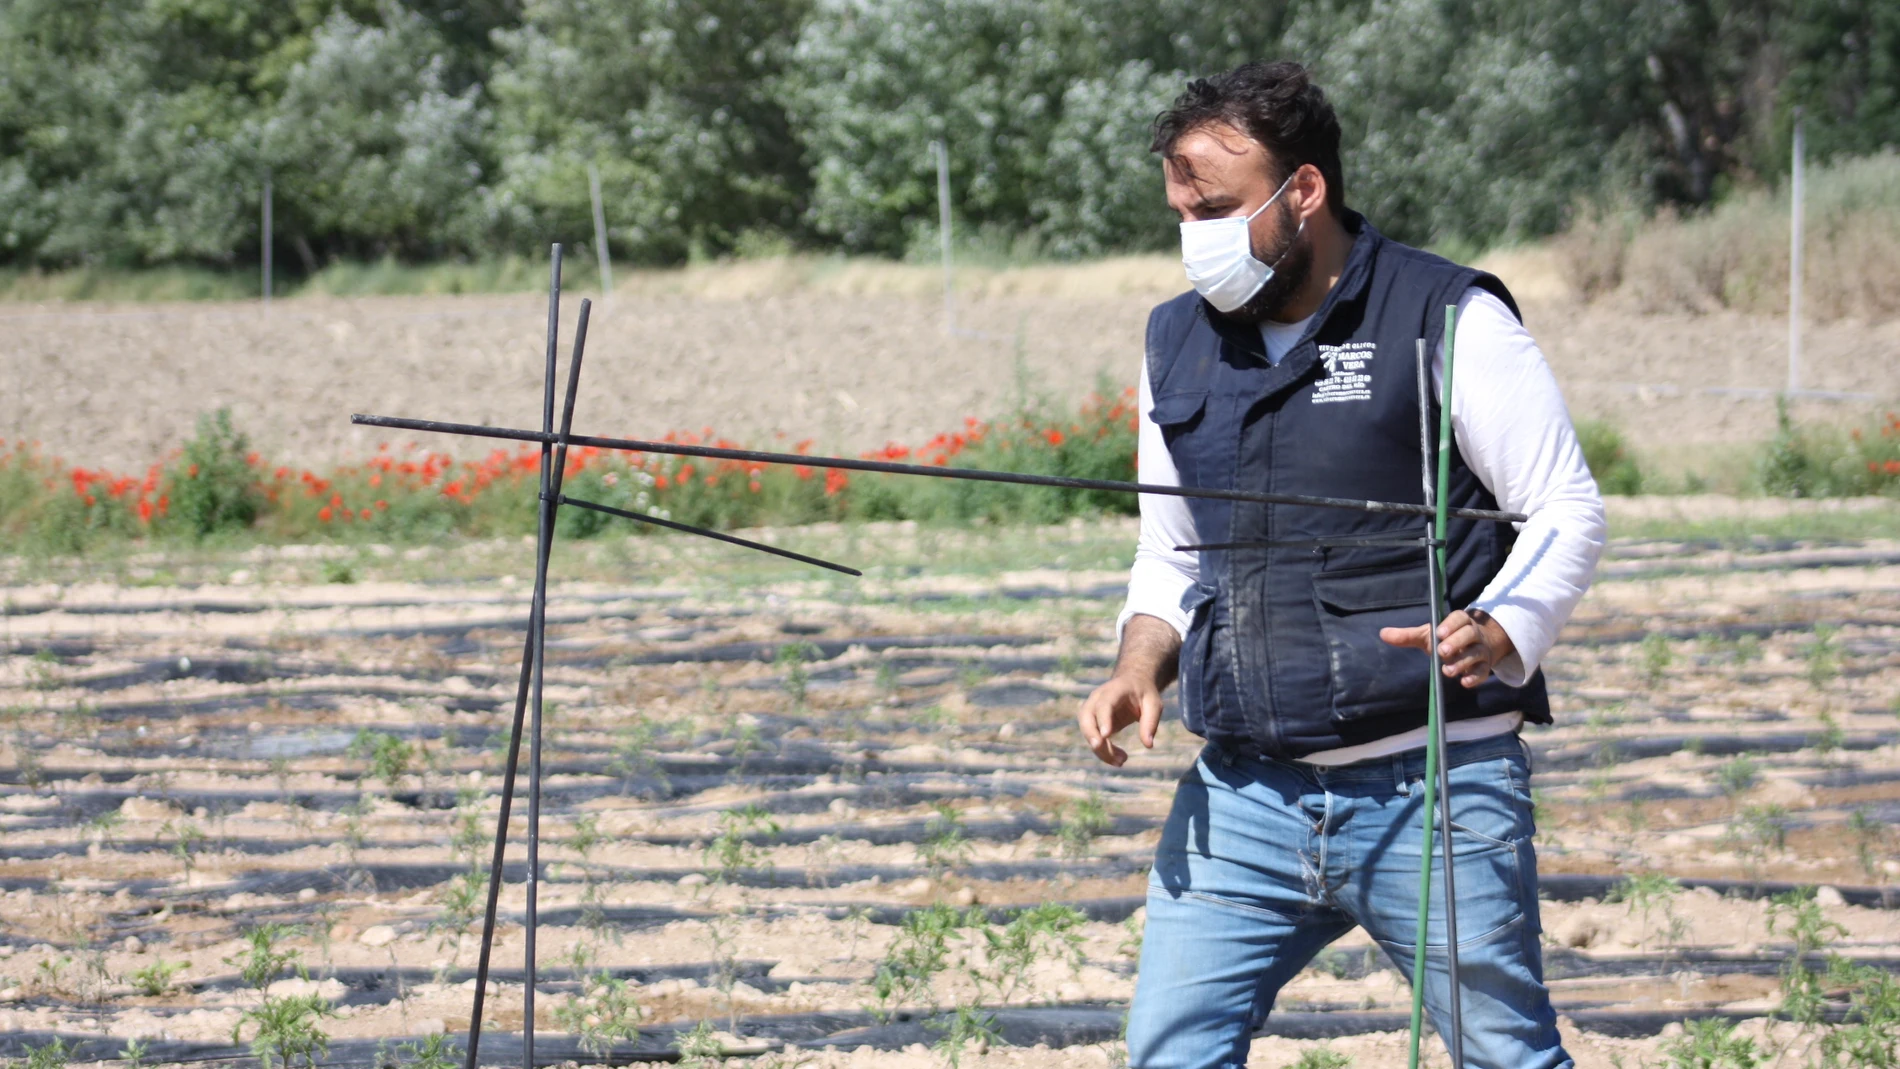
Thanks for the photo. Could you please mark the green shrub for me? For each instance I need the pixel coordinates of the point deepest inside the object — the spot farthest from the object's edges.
(1608, 456)
(1805, 460)
(213, 487)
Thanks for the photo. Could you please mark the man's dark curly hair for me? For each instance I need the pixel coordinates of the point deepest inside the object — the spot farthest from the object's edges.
(1277, 105)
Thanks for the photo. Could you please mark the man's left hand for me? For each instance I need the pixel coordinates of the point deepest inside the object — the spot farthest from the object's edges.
(1470, 644)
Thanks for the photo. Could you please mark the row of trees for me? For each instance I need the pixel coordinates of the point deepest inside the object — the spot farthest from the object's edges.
(137, 131)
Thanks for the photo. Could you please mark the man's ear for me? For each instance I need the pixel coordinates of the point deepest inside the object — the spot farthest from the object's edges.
(1311, 186)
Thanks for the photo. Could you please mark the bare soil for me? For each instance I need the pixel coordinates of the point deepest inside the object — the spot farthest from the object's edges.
(227, 703)
(851, 369)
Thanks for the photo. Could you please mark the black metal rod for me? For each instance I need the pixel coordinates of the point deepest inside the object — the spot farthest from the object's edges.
(528, 659)
(1454, 1008)
(501, 845)
(1319, 543)
(932, 471)
(537, 624)
(704, 533)
(538, 627)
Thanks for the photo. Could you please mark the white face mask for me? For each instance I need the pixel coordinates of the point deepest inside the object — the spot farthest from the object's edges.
(1218, 255)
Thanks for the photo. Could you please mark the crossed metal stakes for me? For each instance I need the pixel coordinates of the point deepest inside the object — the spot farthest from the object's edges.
(554, 445)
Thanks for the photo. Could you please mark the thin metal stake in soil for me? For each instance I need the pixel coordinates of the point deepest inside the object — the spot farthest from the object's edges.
(1435, 711)
(513, 763)
(551, 478)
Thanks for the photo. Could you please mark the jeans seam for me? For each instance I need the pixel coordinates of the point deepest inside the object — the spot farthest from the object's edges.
(1463, 943)
(1216, 900)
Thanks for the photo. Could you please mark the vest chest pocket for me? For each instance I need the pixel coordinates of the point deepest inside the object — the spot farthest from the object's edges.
(1371, 678)
(1181, 415)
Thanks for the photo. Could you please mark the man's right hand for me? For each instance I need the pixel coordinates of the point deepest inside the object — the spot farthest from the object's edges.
(1147, 662)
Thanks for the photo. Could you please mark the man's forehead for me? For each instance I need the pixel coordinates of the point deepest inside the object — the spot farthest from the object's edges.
(1213, 156)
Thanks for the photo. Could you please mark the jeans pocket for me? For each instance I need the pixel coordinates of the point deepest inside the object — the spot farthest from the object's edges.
(1490, 804)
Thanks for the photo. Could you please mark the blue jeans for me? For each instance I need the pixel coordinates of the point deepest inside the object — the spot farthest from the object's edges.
(1263, 862)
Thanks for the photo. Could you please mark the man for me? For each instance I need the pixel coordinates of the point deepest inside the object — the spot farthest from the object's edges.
(1301, 653)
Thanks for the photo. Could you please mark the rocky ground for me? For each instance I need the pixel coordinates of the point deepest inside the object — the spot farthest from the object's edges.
(754, 778)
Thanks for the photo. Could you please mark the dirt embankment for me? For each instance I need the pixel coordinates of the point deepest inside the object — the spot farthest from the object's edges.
(851, 360)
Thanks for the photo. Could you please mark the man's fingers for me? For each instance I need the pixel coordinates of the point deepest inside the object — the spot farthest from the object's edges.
(1102, 731)
(1455, 634)
(1097, 720)
(1413, 637)
(1150, 718)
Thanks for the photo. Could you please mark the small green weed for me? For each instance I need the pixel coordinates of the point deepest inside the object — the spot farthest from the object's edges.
(699, 1048)
(1082, 821)
(185, 839)
(1656, 656)
(920, 951)
(944, 846)
(731, 852)
(966, 1027)
(604, 1014)
(636, 756)
(1048, 929)
(390, 757)
(261, 962)
(1736, 775)
(1823, 657)
(53, 1055)
(1870, 838)
(462, 900)
(1869, 1036)
(287, 1030)
(1710, 1043)
(1651, 892)
(155, 979)
(791, 661)
(437, 1051)
(1322, 1058)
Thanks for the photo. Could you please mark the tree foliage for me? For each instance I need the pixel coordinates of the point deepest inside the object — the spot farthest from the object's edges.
(140, 131)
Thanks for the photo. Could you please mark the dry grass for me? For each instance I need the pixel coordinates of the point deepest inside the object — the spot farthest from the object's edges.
(1736, 255)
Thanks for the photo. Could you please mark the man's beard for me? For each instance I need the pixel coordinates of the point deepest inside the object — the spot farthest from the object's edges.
(1295, 266)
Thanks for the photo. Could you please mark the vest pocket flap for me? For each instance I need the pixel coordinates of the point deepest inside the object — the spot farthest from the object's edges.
(1387, 588)
(1371, 678)
(1179, 407)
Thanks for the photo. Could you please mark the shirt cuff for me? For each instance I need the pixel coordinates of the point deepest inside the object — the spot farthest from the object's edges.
(1527, 642)
(1173, 617)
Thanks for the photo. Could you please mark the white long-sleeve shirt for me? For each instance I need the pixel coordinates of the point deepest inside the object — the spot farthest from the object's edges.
(1514, 431)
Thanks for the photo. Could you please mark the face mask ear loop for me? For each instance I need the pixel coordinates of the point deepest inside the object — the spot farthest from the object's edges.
(1297, 231)
(1276, 196)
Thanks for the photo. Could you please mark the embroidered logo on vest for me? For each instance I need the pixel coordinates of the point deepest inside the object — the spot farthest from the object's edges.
(1347, 376)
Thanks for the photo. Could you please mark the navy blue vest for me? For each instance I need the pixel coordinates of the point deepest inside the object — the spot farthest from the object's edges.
(1283, 656)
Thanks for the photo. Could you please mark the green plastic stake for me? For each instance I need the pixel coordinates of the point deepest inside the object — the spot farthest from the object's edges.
(1428, 812)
